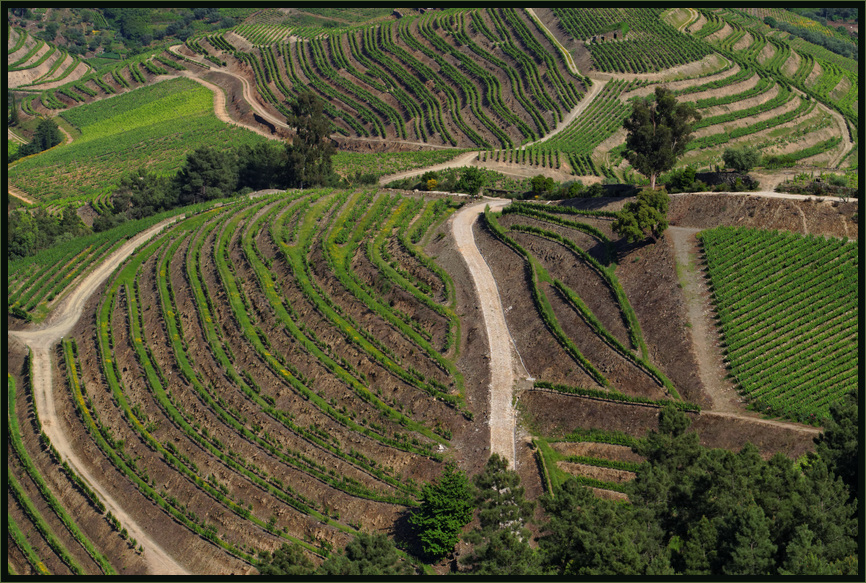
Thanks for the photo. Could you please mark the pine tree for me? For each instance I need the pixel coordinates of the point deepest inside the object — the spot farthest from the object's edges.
(366, 554)
(445, 509)
(501, 543)
(309, 155)
(751, 549)
(13, 119)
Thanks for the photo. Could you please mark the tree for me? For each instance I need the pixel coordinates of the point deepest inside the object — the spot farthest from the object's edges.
(643, 217)
(658, 132)
(309, 155)
(501, 543)
(471, 181)
(262, 166)
(288, 560)
(207, 174)
(366, 554)
(741, 159)
(542, 184)
(445, 509)
(13, 118)
(839, 444)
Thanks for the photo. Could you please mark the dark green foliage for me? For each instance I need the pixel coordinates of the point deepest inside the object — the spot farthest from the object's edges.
(29, 232)
(542, 184)
(262, 166)
(839, 444)
(682, 179)
(831, 43)
(366, 554)
(445, 509)
(501, 542)
(699, 511)
(207, 174)
(659, 130)
(13, 117)
(309, 156)
(593, 191)
(47, 136)
(647, 214)
(286, 561)
(741, 159)
(472, 180)
(142, 194)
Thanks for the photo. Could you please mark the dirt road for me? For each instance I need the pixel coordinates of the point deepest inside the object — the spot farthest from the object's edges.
(462, 160)
(769, 194)
(247, 92)
(502, 417)
(42, 340)
(704, 335)
(19, 194)
(15, 137)
(568, 59)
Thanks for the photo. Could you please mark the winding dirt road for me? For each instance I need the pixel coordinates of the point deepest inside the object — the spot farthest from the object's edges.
(14, 137)
(19, 194)
(247, 92)
(502, 419)
(462, 160)
(42, 341)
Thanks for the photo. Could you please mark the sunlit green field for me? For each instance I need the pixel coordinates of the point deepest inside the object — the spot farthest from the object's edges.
(153, 127)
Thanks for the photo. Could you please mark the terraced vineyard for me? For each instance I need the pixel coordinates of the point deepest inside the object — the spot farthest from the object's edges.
(36, 284)
(300, 366)
(789, 316)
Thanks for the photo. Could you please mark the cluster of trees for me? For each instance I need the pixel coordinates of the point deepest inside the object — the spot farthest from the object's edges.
(547, 188)
(134, 27)
(209, 173)
(698, 511)
(831, 43)
(691, 511)
(29, 232)
(47, 135)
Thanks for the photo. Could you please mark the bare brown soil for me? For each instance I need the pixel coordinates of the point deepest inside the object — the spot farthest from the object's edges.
(598, 450)
(743, 42)
(649, 277)
(544, 358)
(596, 472)
(792, 64)
(831, 218)
(554, 415)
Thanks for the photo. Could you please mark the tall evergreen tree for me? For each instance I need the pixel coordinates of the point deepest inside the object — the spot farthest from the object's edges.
(839, 444)
(207, 174)
(309, 155)
(446, 507)
(366, 554)
(659, 129)
(751, 549)
(13, 117)
(501, 542)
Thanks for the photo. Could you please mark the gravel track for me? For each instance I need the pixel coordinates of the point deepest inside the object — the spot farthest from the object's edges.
(42, 340)
(502, 418)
